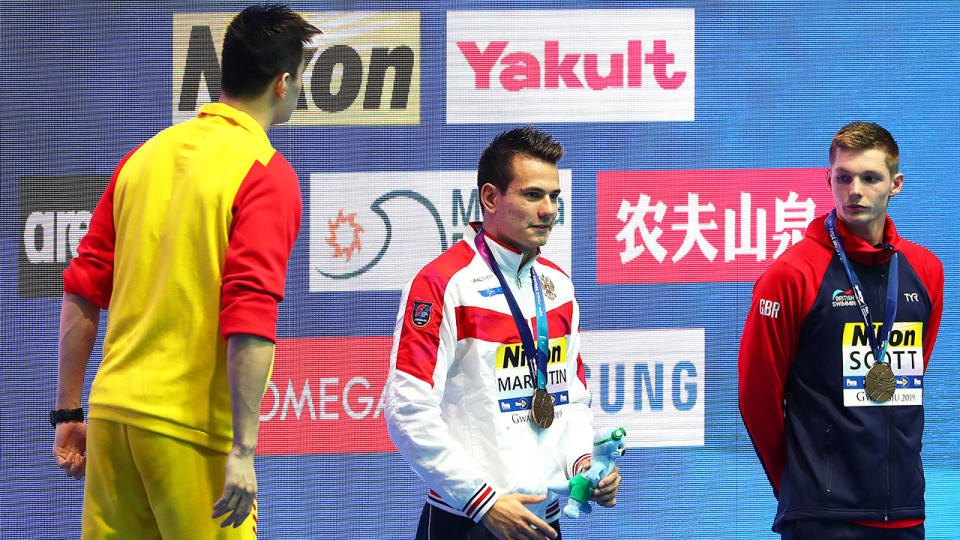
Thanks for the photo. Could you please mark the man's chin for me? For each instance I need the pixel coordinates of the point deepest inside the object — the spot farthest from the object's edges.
(539, 240)
(856, 218)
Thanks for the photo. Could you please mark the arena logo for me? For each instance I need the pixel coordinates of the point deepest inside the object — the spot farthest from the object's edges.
(56, 213)
(318, 404)
(530, 65)
(366, 70)
(374, 231)
(702, 226)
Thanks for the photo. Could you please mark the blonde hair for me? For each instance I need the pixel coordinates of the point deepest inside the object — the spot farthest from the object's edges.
(863, 136)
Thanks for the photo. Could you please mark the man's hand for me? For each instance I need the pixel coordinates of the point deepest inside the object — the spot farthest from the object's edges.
(248, 365)
(606, 492)
(509, 519)
(69, 446)
(239, 490)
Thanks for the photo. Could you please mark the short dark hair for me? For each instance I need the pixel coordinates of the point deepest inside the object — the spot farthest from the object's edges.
(863, 136)
(261, 42)
(495, 162)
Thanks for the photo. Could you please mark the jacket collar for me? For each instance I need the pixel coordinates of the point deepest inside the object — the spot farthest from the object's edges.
(235, 116)
(856, 248)
(508, 259)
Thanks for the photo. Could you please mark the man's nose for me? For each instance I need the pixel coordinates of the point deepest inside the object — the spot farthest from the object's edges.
(549, 207)
(856, 188)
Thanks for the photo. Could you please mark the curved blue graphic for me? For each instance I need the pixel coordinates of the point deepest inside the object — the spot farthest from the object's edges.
(840, 291)
(376, 207)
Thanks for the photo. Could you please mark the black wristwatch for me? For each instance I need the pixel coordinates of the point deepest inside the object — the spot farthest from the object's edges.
(64, 415)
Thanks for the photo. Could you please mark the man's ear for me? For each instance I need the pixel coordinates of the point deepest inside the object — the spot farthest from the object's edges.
(489, 195)
(897, 184)
(829, 179)
(281, 85)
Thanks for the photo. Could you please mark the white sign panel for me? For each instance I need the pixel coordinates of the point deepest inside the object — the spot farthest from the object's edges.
(591, 65)
(374, 231)
(653, 386)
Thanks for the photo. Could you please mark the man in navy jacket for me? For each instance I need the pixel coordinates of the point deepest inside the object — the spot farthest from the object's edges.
(838, 434)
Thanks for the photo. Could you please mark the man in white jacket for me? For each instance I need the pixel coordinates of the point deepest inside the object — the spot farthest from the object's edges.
(487, 396)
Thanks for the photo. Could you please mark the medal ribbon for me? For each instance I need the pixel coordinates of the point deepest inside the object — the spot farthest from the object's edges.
(536, 354)
(878, 344)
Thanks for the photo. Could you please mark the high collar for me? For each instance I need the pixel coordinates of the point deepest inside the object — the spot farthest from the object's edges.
(235, 116)
(510, 261)
(856, 248)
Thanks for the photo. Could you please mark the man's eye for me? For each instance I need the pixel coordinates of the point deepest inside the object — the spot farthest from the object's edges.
(554, 197)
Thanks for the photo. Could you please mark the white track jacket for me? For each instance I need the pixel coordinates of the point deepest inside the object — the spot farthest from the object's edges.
(459, 390)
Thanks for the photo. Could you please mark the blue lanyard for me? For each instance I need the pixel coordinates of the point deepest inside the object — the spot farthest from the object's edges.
(893, 285)
(535, 355)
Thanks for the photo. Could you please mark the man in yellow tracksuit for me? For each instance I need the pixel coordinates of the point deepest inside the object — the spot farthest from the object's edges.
(188, 248)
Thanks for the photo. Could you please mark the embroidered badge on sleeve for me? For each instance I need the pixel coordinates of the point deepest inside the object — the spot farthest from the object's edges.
(420, 315)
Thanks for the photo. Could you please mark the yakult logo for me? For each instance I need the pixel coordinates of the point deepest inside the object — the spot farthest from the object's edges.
(522, 69)
(533, 65)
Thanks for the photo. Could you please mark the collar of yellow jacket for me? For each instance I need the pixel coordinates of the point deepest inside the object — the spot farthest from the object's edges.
(236, 116)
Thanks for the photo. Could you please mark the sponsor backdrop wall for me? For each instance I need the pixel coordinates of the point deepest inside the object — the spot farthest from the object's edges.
(696, 137)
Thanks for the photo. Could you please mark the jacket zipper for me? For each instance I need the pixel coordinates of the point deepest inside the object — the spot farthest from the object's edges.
(886, 507)
(829, 444)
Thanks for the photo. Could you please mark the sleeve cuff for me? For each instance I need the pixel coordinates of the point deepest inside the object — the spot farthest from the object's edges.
(484, 504)
(86, 288)
(579, 465)
(254, 314)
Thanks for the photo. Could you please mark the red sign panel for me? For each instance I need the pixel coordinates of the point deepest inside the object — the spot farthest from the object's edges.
(702, 226)
(326, 396)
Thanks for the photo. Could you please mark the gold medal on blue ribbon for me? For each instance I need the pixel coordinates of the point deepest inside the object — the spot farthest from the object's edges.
(542, 408)
(880, 382)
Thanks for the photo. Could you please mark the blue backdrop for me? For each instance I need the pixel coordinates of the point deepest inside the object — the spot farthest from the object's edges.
(83, 83)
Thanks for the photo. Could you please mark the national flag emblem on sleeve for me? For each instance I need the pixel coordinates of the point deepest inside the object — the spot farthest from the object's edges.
(421, 313)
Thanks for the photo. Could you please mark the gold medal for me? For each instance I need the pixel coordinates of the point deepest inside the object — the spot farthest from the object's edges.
(542, 408)
(880, 382)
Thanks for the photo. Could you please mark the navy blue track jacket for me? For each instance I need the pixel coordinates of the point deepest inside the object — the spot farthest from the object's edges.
(828, 450)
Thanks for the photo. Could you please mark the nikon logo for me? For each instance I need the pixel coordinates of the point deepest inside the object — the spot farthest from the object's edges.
(367, 72)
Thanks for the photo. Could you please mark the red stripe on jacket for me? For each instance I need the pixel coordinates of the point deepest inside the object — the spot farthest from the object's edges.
(90, 273)
(496, 327)
(418, 345)
(264, 229)
(768, 346)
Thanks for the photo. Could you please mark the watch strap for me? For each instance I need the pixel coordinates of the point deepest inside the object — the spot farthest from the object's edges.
(65, 415)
